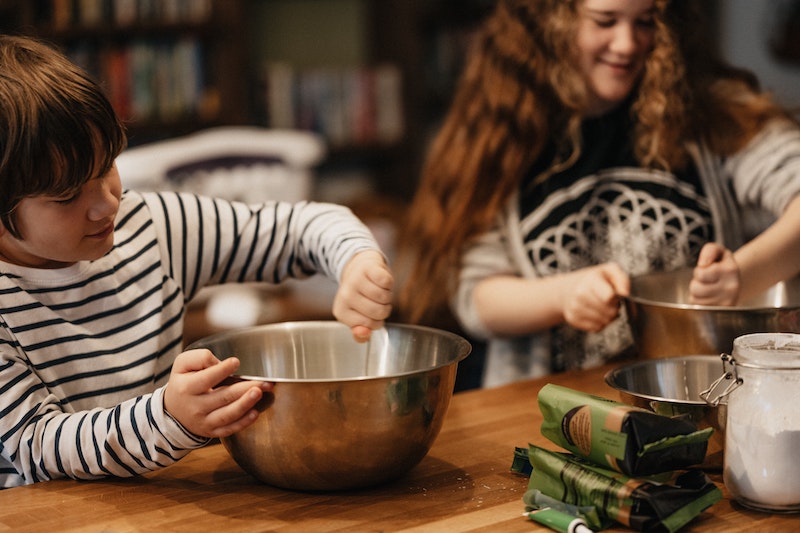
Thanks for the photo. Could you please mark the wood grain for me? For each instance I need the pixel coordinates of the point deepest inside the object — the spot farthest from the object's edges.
(463, 484)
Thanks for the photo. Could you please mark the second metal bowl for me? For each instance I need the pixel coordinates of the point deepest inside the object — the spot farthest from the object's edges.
(671, 386)
(665, 324)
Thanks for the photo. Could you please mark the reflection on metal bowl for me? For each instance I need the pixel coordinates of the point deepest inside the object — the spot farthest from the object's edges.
(671, 386)
(343, 415)
(664, 324)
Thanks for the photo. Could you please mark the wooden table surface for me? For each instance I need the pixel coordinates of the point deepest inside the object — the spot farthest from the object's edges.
(463, 484)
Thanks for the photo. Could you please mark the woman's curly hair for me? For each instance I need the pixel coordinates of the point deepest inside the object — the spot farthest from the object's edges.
(521, 88)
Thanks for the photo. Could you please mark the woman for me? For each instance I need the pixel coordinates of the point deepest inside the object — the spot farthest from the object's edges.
(588, 141)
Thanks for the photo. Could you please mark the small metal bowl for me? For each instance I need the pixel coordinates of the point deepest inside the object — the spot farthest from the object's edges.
(343, 415)
(671, 386)
(665, 324)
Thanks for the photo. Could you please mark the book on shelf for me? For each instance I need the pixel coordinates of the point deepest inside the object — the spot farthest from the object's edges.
(349, 106)
(68, 14)
(148, 80)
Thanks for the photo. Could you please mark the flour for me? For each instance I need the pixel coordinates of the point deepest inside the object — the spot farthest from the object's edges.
(762, 469)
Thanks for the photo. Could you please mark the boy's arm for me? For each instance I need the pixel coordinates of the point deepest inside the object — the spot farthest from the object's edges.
(208, 241)
(41, 441)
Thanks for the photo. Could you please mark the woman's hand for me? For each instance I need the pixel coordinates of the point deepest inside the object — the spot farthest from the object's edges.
(587, 299)
(364, 298)
(716, 279)
(193, 398)
(592, 301)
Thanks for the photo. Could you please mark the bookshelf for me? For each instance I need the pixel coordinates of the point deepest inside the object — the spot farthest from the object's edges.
(168, 66)
(427, 40)
(373, 76)
(353, 106)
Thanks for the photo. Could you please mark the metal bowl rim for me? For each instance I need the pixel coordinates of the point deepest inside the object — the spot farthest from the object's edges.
(609, 377)
(696, 307)
(464, 347)
(717, 308)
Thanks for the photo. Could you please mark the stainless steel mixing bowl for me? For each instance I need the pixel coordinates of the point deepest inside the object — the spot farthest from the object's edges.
(343, 415)
(664, 324)
(671, 386)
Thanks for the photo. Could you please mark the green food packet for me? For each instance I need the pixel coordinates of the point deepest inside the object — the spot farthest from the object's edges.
(600, 494)
(628, 439)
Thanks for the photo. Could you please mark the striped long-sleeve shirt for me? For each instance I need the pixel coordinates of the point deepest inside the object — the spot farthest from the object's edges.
(85, 351)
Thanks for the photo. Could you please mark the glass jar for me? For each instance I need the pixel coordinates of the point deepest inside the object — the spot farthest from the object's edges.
(761, 467)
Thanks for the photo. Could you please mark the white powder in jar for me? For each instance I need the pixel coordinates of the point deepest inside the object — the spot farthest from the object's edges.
(762, 469)
(762, 439)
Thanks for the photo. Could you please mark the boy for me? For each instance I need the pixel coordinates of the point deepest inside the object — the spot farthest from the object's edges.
(94, 281)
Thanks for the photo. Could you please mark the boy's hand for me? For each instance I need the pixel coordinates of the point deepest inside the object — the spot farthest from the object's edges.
(364, 298)
(193, 398)
(715, 279)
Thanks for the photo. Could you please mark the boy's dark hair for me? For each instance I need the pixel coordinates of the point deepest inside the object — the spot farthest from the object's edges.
(57, 128)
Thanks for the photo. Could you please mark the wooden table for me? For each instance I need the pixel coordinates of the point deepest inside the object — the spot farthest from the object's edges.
(463, 484)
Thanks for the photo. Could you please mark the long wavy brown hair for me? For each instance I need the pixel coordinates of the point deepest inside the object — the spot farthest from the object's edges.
(521, 87)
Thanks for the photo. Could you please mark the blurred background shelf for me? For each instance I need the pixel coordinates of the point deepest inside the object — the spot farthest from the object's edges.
(372, 76)
(170, 67)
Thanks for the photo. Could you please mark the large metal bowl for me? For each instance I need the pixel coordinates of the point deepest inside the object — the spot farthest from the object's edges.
(671, 386)
(343, 415)
(665, 324)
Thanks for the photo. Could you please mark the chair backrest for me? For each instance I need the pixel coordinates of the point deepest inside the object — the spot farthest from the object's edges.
(234, 162)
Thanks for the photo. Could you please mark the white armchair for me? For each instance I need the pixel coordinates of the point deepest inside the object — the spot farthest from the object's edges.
(233, 162)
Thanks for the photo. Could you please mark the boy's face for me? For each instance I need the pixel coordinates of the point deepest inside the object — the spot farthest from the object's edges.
(59, 231)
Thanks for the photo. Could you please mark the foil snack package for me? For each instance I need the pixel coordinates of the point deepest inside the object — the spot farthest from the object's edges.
(601, 496)
(622, 437)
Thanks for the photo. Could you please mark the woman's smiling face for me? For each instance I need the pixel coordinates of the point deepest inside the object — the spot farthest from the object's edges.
(614, 38)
